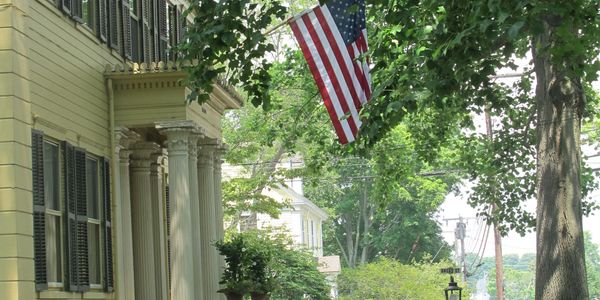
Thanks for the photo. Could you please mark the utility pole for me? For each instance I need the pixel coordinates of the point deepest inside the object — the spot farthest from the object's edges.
(460, 232)
(497, 236)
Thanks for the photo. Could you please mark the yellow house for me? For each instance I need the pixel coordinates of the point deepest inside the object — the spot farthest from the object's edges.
(110, 182)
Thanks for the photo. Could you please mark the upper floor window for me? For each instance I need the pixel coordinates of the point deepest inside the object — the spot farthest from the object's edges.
(88, 17)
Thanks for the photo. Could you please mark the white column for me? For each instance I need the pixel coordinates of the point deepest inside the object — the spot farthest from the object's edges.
(124, 250)
(208, 220)
(220, 233)
(160, 261)
(142, 221)
(218, 191)
(182, 256)
(195, 211)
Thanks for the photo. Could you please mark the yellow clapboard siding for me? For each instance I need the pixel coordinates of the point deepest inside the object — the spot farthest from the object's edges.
(15, 108)
(16, 222)
(15, 176)
(15, 153)
(57, 64)
(63, 31)
(66, 101)
(69, 89)
(75, 123)
(16, 200)
(17, 290)
(11, 39)
(16, 269)
(14, 130)
(13, 84)
(13, 62)
(12, 17)
(15, 245)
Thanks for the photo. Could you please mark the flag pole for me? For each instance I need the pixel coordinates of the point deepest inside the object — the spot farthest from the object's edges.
(272, 30)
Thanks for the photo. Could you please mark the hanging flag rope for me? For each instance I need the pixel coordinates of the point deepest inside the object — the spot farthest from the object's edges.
(333, 39)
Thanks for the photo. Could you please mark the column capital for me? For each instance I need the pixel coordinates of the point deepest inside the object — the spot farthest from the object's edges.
(124, 138)
(179, 133)
(156, 164)
(143, 154)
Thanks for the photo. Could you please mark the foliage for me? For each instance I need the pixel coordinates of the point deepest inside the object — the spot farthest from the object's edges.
(390, 216)
(519, 277)
(225, 40)
(592, 260)
(389, 279)
(264, 262)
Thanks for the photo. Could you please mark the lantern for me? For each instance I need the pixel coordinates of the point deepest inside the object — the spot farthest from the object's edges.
(453, 291)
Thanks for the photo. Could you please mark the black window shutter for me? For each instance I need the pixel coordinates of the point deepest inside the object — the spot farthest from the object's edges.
(135, 40)
(113, 19)
(146, 34)
(154, 25)
(172, 31)
(125, 14)
(66, 6)
(39, 210)
(83, 279)
(181, 29)
(102, 17)
(168, 209)
(70, 218)
(107, 227)
(76, 10)
(162, 29)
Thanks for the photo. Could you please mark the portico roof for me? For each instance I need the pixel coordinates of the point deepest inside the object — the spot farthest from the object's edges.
(145, 94)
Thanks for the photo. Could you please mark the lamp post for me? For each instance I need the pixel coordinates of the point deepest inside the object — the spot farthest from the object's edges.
(451, 289)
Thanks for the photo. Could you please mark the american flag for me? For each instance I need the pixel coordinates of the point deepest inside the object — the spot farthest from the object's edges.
(332, 38)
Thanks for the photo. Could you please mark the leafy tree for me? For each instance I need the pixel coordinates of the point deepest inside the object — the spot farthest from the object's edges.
(440, 55)
(389, 279)
(592, 260)
(437, 60)
(382, 206)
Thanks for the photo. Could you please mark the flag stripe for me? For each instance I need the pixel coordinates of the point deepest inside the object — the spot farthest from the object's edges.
(341, 133)
(354, 53)
(341, 54)
(333, 40)
(332, 78)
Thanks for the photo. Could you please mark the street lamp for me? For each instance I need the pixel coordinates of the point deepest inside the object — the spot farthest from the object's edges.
(453, 287)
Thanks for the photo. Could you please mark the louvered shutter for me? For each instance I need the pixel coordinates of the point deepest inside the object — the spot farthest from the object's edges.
(162, 30)
(172, 31)
(154, 25)
(102, 18)
(146, 34)
(107, 227)
(126, 28)
(135, 40)
(168, 209)
(65, 5)
(182, 24)
(76, 10)
(83, 279)
(113, 18)
(39, 210)
(70, 213)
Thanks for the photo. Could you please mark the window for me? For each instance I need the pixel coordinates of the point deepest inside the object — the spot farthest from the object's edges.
(71, 213)
(88, 8)
(93, 194)
(53, 212)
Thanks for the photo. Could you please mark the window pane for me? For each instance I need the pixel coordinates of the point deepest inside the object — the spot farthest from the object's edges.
(88, 13)
(51, 179)
(92, 187)
(94, 253)
(53, 248)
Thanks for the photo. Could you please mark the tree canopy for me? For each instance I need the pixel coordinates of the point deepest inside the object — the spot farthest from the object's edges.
(435, 65)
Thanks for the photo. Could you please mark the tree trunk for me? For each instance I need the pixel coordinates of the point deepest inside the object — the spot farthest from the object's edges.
(560, 263)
